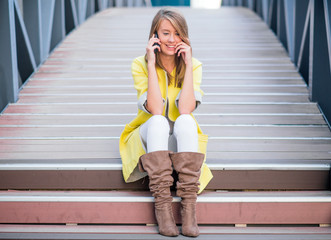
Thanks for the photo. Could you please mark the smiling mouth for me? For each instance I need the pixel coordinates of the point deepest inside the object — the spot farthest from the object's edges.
(170, 46)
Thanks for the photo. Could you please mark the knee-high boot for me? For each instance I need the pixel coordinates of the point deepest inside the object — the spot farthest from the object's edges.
(158, 166)
(188, 166)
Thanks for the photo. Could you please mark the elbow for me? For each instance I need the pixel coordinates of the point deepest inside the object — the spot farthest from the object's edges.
(186, 109)
(155, 110)
(185, 112)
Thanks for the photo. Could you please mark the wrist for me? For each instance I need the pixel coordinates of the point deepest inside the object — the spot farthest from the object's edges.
(189, 66)
(150, 65)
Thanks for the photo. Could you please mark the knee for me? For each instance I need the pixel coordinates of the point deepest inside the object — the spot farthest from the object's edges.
(185, 125)
(159, 124)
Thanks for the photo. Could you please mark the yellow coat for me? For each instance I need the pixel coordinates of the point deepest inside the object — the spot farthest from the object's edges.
(131, 147)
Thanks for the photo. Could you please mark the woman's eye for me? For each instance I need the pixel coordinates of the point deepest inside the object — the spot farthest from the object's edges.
(177, 34)
(165, 33)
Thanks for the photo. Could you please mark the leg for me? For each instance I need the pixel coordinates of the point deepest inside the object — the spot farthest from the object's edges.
(185, 131)
(188, 166)
(187, 163)
(155, 133)
(157, 164)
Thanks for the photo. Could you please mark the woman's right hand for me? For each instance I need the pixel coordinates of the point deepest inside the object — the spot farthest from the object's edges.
(150, 48)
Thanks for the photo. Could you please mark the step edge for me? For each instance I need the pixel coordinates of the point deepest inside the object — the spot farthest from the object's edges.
(213, 166)
(145, 197)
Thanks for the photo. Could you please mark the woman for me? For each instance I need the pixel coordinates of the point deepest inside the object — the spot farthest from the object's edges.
(165, 135)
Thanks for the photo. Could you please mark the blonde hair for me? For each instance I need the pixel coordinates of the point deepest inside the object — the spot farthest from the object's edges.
(179, 23)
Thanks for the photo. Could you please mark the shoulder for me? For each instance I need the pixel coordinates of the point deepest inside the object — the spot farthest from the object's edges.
(196, 63)
(197, 70)
(139, 61)
(139, 66)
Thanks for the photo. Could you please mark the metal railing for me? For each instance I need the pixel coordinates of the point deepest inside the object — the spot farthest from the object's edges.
(31, 29)
(304, 28)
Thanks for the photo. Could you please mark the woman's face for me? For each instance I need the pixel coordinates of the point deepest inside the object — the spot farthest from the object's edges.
(169, 37)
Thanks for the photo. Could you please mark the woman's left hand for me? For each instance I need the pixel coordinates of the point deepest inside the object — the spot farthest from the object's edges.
(185, 50)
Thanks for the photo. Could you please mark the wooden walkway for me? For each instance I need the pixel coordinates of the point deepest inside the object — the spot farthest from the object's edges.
(264, 132)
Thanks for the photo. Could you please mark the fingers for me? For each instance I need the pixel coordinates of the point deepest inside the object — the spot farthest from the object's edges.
(156, 48)
(182, 48)
(153, 45)
(179, 52)
(154, 40)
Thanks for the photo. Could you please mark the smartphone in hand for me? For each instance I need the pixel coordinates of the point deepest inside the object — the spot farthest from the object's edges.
(156, 44)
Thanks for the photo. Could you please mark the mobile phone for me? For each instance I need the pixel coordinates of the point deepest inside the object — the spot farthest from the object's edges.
(156, 44)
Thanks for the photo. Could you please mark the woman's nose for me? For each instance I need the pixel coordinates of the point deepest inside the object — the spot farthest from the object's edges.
(171, 38)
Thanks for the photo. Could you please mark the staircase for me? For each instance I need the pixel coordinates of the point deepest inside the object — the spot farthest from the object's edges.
(269, 147)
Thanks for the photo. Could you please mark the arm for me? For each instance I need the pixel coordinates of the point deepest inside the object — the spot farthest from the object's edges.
(154, 97)
(187, 101)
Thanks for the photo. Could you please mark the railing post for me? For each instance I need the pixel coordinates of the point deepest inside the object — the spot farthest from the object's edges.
(327, 12)
(8, 60)
(319, 61)
(25, 57)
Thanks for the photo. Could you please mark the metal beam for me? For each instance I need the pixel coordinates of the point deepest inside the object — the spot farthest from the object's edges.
(57, 30)
(301, 18)
(265, 7)
(25, 58)
(281, 25)
(47, 13)
(32, 14)
(303, 57)
(289, 23)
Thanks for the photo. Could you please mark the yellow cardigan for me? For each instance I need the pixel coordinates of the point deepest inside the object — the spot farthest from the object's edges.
(130, 145)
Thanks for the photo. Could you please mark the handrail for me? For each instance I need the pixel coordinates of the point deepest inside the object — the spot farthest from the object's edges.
(304, 28)
(31, 29)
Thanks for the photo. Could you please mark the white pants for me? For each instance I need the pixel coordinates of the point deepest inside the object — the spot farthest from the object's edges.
(156, 134)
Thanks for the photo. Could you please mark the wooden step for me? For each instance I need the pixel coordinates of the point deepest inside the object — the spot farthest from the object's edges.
(150, 232)
(98, 173)
(131, 107)
(40, 119)
(120, 207)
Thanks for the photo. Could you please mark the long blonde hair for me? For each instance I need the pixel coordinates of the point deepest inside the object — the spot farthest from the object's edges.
(179, 23)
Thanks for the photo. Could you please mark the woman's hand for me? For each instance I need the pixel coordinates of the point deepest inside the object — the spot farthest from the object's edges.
(185, 50)
(151, 47)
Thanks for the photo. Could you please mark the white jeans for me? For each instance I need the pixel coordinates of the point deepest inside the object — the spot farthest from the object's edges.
(156, 134)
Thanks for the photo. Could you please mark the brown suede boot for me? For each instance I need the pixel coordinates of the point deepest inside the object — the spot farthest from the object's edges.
(188, 166)
(159, 169)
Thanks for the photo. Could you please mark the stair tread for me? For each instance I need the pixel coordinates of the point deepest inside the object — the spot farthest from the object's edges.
(139, 229)
(124, 207)
(87, 236)
(144, 196)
